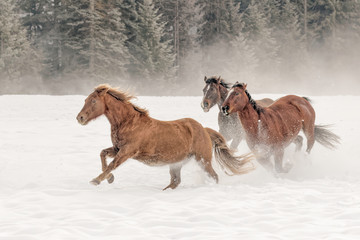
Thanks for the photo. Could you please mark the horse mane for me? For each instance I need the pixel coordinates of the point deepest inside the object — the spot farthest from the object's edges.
(122, 96)
(213, 79)
(253, 103)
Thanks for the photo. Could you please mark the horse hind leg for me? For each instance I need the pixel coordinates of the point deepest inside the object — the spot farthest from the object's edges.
(175, 173)
(309, 131)
(206, 164)
(298, 142)
(310, 142)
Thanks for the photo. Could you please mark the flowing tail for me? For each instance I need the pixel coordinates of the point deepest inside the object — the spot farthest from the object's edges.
(325, 137)
(224, 156)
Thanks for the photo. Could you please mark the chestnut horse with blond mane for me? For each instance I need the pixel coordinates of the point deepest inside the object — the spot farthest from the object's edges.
(270, 129)
(215, 92)
(136, 135)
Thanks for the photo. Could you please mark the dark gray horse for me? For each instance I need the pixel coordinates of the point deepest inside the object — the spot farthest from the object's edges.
(215, 92)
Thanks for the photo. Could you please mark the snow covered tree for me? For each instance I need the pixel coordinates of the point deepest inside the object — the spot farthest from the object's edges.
(96, 38)
(259, 32)
(42, 20)
(221, 25)
(182, 23)
(221, 21)
(242, 62)
(152, 56)
(183, 20)
(292, 50)
(17, 58)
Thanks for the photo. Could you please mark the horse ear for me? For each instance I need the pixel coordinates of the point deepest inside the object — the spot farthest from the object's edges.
(218, 79)
(245, 85)
(205, 78)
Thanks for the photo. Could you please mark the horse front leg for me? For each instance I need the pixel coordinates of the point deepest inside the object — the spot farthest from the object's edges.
(108, 152)
(266, 163)
(106, 174)
(235, 142)
(237, 133)
(278, 157)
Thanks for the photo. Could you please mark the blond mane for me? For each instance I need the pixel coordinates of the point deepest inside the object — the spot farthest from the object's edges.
(119, 95)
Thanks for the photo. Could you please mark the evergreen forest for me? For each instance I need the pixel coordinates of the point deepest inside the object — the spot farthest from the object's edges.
(165, 47)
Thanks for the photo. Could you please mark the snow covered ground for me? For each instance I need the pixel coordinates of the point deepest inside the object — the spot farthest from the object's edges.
(47, 160)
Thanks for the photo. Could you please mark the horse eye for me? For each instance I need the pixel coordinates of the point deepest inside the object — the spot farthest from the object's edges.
(236, 93)
(93, 101)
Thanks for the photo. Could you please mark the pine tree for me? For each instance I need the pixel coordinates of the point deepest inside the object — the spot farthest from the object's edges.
(183, 20)
(292, 50)
(43, 22)
(152, 56)
(182, 23)
(259, 32)
(17, 58)
(221, 25)
(242, 61)
(96, 40)
(221, 21)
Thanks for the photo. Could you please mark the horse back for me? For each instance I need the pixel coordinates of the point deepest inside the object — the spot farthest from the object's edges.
(200, 140)
(171, 140)
(292, 105)
(286, 117)
(265, 102)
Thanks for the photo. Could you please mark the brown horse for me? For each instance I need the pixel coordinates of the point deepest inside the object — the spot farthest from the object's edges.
(215, 92)
(270, 129)
(136, 135)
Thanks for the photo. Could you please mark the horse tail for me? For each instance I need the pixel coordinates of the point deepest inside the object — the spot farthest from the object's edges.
(325, 137)
(224, 156)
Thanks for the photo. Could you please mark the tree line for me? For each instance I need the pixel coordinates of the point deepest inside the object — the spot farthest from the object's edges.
(166, 46)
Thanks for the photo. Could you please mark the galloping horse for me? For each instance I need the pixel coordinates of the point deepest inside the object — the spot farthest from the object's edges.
(270, 129)
(215, 92)
(136, 135)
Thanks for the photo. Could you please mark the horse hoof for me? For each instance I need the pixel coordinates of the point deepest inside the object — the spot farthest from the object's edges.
(111, 179)
(170, 186)
(95, 182)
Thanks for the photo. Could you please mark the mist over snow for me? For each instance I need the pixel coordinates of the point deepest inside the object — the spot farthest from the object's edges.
(47, 160)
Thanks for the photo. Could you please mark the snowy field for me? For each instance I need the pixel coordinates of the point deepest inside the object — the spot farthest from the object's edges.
(47, 160)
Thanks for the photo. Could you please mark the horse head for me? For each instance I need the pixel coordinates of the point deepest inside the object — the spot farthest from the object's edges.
(236, 99)
(212, 92)
(94, 105)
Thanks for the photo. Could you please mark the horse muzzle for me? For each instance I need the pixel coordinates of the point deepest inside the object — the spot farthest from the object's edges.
(81, 119)
(225, 110)
(205, 106)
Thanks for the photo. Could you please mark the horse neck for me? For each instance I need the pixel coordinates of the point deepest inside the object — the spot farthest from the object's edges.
(223, 94)
(119, 113)
(250, 119)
